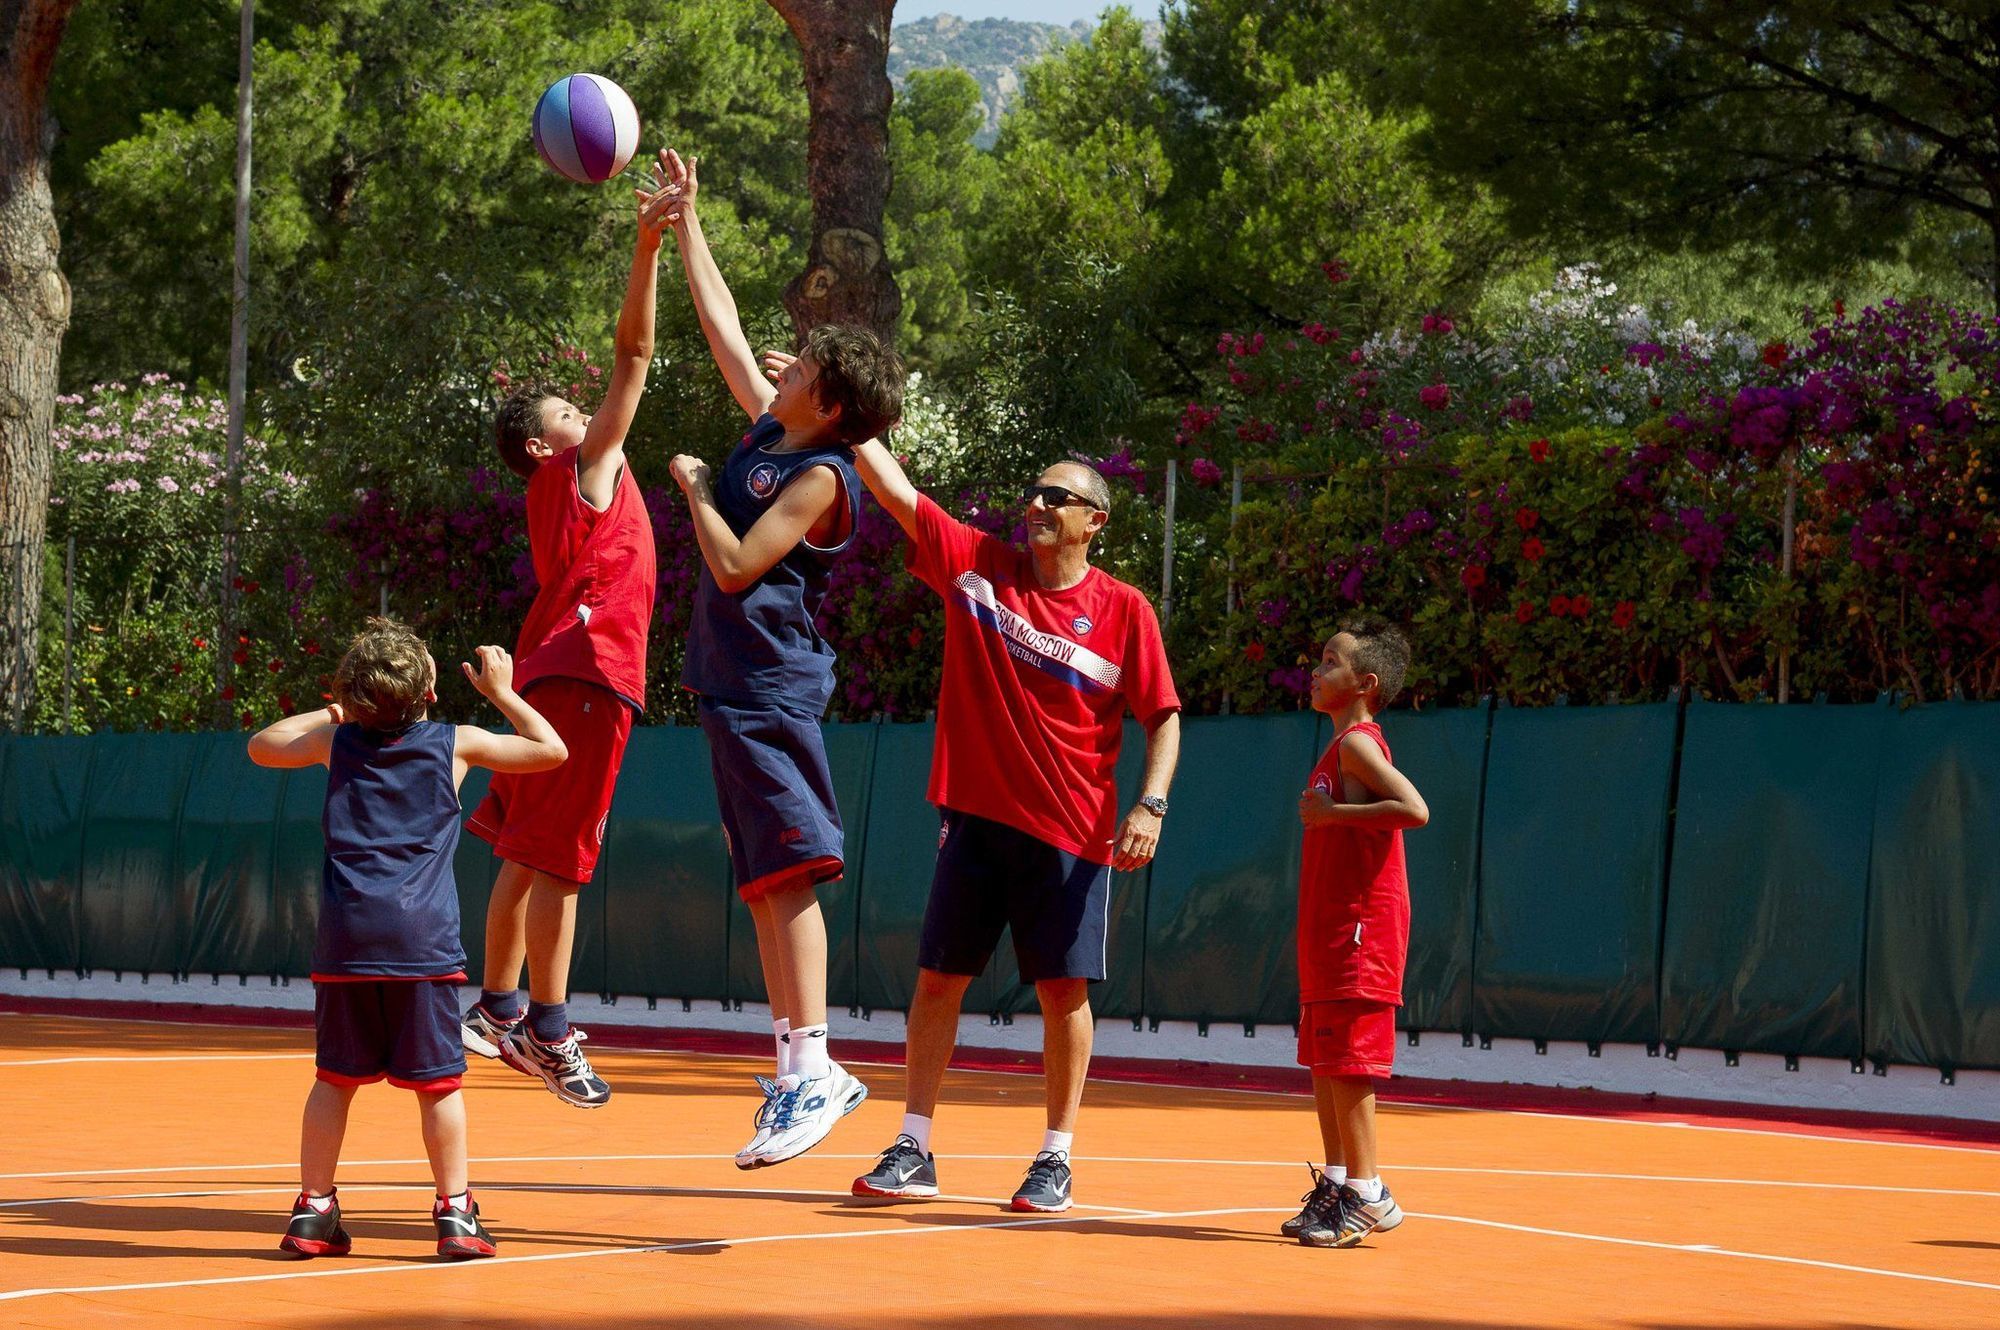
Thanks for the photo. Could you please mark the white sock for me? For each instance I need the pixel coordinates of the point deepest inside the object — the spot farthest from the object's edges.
(1368, 1189)
(462, 1201)
(1335, 1173)
(778, 1029)
(320, 1204)
(809, 1059)
(918, 1128)
(1056, 1142)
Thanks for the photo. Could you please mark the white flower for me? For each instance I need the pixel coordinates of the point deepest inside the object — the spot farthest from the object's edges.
(168, 485)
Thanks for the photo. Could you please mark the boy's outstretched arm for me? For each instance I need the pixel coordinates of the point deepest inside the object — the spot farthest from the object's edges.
(304, 740)
(534, 745)
(632, 351)
(713, 304)
(1396, 806)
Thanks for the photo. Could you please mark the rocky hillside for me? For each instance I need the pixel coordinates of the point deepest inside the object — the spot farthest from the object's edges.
(992, 50)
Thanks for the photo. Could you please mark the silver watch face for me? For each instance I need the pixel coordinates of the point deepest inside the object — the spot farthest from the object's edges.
(1156, 804)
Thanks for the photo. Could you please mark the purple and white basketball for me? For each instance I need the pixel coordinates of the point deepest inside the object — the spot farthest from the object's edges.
(586, 128)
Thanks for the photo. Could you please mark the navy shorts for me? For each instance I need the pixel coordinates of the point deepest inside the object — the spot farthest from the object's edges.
(401, 1030)
(776, 795)
(991, 877)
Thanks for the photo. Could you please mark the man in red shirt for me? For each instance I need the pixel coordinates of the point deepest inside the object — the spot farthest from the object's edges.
(1043, 655)
(582, 652)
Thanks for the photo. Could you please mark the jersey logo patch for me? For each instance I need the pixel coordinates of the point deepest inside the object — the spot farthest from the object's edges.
(1323, 783)
(1081, 624)
(763, 480)
(791, 836)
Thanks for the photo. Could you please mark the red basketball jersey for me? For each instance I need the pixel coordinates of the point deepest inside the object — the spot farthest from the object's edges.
(1354, 898)
(597, 572)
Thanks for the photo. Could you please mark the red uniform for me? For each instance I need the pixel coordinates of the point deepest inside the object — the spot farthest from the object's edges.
(1354, 933)
(582, 650)
(1036, 683)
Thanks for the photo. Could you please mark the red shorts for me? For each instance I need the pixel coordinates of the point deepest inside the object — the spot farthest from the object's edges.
(553, 821)
(1349, 1038)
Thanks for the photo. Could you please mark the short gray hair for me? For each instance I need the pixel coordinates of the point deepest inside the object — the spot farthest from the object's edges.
(1093, 487)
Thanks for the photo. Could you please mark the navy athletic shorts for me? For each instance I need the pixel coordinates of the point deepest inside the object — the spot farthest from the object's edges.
(401, 1030)
(776, 796)
(991, 877)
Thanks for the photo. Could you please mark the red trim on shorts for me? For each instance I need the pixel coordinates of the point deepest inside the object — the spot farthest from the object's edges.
(826, 868)
(442, 1085)
(1380, 1071)
(345, 1081)
(457, 978)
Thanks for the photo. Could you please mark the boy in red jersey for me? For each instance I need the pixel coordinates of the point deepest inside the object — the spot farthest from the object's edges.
(1354, 928)
(582, 653)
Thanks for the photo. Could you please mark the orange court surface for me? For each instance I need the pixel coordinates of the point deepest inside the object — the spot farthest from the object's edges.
(149, 1169)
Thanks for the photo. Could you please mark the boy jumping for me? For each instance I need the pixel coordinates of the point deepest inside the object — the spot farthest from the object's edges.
(582, 651)
(387, 961)
(770, 526)
(1354, 929)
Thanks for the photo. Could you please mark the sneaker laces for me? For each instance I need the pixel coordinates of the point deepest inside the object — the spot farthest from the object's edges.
(762, 1117)
(1320, 1183)
(904, 1145)
(784, 1106)
(1045, 1166)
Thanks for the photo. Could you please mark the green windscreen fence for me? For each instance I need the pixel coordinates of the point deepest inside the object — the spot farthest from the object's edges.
(1933, 990)
(1573, 857)
(1768, 898)
(1804, 880)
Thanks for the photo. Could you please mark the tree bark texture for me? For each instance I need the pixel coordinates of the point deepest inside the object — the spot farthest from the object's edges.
(34, 313)
(845, 49)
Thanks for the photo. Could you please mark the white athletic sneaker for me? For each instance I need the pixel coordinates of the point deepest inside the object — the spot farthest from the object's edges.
(802, 1115)
(767, 1113)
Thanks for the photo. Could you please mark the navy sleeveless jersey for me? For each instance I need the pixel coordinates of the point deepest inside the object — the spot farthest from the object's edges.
(388, 904)
(762, 646)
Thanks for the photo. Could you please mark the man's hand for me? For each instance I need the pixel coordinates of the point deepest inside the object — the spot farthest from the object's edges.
(690, 473)
(495, 675)
(1137, 839)
(1316, 808)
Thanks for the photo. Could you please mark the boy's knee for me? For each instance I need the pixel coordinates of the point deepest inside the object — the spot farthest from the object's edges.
(1060, 997)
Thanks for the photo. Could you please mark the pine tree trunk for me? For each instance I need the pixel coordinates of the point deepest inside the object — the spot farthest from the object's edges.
(845, 46)
(34, 312)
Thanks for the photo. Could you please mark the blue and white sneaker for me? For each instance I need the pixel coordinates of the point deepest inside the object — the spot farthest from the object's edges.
(803, 1113)
(766, 1115)
(561, 1066)
(905, 1171)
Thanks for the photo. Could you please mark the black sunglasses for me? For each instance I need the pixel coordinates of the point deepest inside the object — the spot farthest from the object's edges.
(1055, 496)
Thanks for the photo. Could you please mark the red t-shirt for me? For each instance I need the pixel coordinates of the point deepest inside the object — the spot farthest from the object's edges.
(1354, 899)
(1036, 685)
(597, 573)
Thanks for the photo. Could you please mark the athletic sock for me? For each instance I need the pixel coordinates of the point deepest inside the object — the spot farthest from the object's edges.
(918, 1128)
(1056, 1142)
(461, 1202)
(1335, 1173)
(778, 1030)
(320, 1204)
(549, 1021)
(1368, 1189)
(809, 1056)
(501, 1006)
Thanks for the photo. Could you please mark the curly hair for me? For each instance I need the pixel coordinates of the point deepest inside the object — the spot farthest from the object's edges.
(384, 680)
(1383, 650)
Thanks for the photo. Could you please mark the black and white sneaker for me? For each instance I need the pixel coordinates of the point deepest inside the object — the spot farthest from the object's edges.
(1350, 1219)
(561, 1065)
(1323, 1187)
(904, 1171)
(461, 1237)
(315, 1232)
(1046, 1188)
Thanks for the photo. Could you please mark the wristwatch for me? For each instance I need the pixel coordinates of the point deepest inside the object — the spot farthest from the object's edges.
(1154, 803)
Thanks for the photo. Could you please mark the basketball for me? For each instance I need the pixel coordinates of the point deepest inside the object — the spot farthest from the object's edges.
(586, 128)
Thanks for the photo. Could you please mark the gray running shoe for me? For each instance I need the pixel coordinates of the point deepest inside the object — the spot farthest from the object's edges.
(904, 1171)
(1046, 1188)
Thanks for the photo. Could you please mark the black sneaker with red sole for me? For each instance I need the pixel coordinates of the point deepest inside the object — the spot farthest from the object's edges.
(461, 1237)
(315, 1232)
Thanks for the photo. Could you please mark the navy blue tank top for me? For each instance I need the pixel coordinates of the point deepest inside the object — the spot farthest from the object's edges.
(762, 646)
(388, 904)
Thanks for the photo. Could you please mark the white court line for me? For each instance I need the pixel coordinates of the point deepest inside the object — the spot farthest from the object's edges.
(533, 1187)
(591, 1253)
(1699, 1249)
(1841, 1185)
(1705, 1249)
(164, 1057)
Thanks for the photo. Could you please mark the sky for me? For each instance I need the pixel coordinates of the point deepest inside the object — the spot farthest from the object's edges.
(1037, 11)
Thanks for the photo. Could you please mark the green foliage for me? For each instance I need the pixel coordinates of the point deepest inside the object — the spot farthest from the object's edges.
(937, 201)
